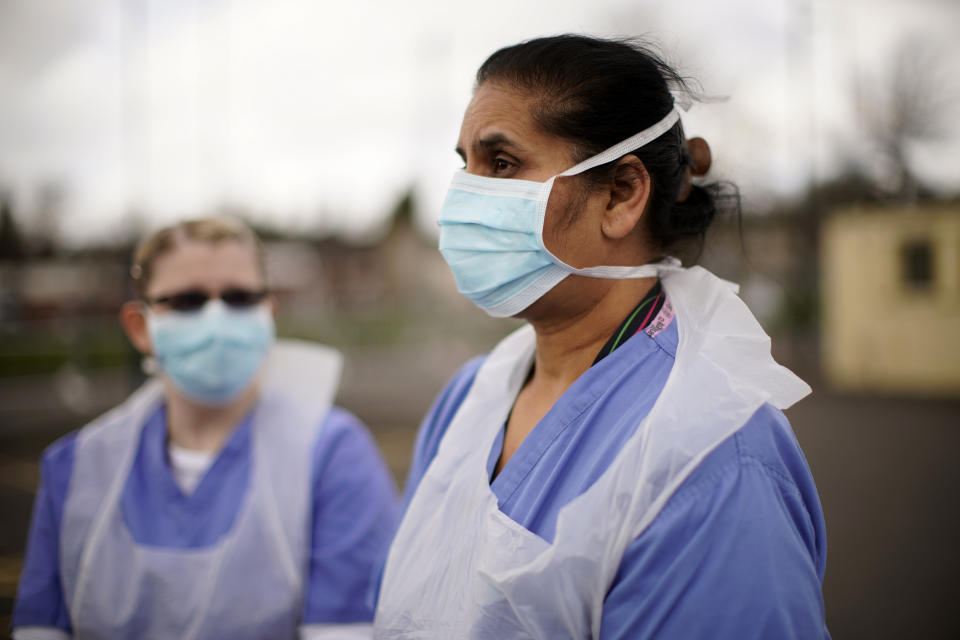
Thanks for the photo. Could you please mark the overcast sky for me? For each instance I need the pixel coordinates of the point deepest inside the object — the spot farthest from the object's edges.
(320, 114)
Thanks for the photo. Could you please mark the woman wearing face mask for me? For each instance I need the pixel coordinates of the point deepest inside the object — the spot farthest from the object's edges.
(619, 467)
(227, 497)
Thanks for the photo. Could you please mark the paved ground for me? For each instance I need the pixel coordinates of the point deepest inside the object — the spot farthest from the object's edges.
(889, 482)
(885, 468)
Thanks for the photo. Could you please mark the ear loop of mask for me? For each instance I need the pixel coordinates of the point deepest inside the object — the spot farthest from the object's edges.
(632, 143)
(618, 150)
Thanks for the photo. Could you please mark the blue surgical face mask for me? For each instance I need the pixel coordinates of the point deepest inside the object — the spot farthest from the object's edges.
(211, 355)
(491, 235)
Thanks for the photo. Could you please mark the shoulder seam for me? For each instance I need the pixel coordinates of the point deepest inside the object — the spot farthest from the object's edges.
(781, 478)
(708, 482)
(685, 494)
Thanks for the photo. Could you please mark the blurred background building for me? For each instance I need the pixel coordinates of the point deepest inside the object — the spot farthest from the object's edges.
(892, 271)
(331, 130)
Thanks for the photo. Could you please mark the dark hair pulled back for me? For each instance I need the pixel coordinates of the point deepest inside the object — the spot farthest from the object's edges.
(595, 93)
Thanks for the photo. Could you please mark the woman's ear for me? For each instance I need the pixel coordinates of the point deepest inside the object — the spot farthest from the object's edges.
(134, 321)
(629, 193)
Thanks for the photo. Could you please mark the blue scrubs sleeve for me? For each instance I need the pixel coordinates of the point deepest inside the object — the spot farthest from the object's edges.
(40, 601)
(355, 512)
(737, 553)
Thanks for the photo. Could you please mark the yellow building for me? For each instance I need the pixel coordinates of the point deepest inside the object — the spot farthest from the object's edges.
(891, 299)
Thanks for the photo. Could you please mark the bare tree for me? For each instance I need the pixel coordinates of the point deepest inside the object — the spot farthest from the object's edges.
(46, 217)
(11, 242)
(910, 100)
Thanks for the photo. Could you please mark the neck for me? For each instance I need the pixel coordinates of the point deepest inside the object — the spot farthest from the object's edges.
(194, 426)
(568, 343)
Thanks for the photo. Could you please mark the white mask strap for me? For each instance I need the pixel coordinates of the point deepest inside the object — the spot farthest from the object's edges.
(645, 137)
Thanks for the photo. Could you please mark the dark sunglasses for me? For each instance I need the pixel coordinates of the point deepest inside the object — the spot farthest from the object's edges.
(194, 299)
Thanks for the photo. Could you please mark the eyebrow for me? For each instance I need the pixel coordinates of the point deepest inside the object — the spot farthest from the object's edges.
(486, 142)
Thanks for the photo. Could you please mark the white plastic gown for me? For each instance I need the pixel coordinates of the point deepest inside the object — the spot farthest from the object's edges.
(460, 568)
(250, 583)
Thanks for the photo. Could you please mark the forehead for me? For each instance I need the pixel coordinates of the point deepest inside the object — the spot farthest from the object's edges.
(499, 110)
(496, 101)
(207, 265)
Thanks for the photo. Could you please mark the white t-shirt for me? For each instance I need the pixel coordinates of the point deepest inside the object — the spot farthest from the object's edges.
(188, 466)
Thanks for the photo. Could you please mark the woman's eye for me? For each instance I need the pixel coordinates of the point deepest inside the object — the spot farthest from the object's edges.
(501, 164)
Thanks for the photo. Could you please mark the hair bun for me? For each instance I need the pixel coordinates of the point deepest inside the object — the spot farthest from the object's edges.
(700, 157)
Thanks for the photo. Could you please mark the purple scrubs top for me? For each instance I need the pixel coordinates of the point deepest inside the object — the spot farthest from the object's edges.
(738, 552)
(354, 508)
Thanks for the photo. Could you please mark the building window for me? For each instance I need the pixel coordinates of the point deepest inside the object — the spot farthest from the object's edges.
(917, 263)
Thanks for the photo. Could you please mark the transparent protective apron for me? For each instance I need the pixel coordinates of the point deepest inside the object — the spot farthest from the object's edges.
(460, 568)
(248, 584)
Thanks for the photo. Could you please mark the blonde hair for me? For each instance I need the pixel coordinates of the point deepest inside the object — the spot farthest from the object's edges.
(211, 230)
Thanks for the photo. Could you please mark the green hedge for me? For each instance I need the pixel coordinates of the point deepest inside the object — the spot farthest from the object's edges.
(37, 353)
